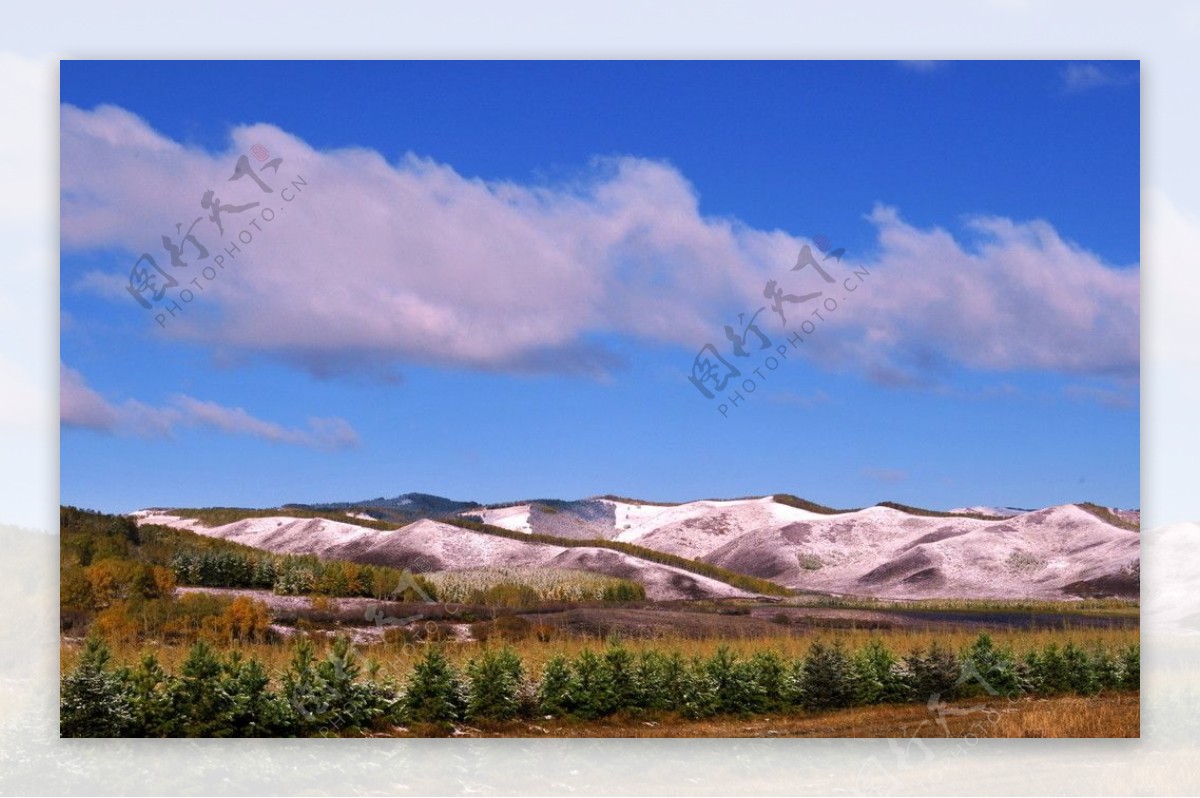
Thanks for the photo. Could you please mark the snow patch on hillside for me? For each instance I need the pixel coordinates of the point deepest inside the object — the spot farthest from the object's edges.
(1002, 512)
(514, 518)
(699, 527)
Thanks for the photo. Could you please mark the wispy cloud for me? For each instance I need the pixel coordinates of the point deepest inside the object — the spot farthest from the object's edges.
(385, 264)
(82, 406)
(804, 400)
(1118, 398)
(888, 476)
(1084, 76)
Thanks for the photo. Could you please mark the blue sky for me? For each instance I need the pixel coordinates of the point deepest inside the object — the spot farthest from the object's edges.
(494, 278)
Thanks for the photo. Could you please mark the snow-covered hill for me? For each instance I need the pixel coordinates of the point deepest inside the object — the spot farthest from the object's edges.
(1058, 552)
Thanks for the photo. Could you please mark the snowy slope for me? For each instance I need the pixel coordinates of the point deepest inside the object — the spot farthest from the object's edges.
(1054, 553)
(431, 546)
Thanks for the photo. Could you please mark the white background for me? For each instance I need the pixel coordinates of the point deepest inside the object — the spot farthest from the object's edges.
(1165, 36)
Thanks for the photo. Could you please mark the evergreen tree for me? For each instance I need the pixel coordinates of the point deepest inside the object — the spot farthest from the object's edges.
(828, 678)
(434, 692)
(621, 676)
(1053, 672)
(304, 690)
(1081, 676)
(150, 697)
(728, 682)
(934, 672)
(699, 697)
(555, 694)
(769, 682)
(878, 678)
(199, 698)
(257, 711)
(93, 701)
(650, 682)
(1106, 668)
(595, 693)
(1131, 665)
(496, 680)
(352, 703)
(992, 670)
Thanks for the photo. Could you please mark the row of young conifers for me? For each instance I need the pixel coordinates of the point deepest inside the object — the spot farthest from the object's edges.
(214, 695)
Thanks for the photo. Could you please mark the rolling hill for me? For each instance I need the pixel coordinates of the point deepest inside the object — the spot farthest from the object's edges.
(888, 550)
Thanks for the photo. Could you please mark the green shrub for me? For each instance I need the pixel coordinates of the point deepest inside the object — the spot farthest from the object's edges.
(621, 671)
(352, 703)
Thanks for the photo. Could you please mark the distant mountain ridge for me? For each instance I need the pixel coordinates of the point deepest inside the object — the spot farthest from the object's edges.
(405, 507)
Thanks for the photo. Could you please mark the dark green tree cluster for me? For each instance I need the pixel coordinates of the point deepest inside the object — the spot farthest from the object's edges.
(231, 696)
(215, 696)
(292, 575)
(223, 569)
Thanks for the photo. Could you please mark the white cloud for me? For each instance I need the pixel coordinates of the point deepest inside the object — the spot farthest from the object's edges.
(82, 406)
(1015, 297)
(380, 264)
